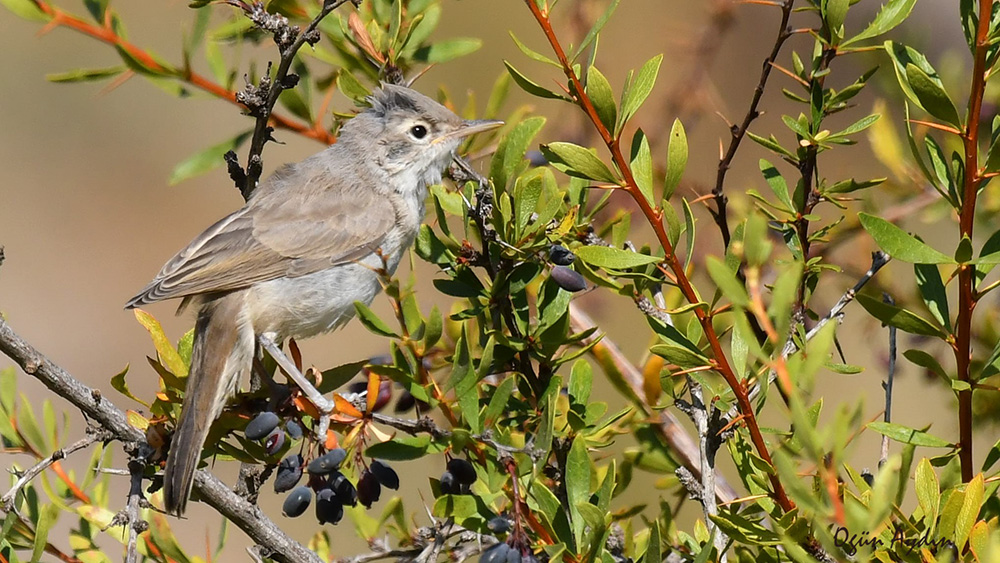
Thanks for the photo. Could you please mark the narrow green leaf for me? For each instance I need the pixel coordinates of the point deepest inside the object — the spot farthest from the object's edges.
(777, 183)
(85, 74)
(928, 492)
(614, 258)
(679, 355)
(969, 513)
(498, 402)
(592, 33)
(575, 160)
(206, 160)
(933, 292)
(447, 50)
(400, 449)
(577, 481)
(906, 435)
(932, 96)
(727, 283)
(900, 245)
(893, 13)
(510, 152)
(529, 85)
(637, 92)
(653, 553)
(642, 164)
(46, 519)
(350, 86)
(531, 54)
(900, 318)
(371, 321)
(926, 361)
(677, 156)
(600, 93)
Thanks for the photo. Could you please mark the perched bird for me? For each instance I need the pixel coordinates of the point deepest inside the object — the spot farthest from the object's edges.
(305, 247)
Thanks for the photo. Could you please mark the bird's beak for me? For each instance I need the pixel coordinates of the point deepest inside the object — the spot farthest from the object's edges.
(470, 127)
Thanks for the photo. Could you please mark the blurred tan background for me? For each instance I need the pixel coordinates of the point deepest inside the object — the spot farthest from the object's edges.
(87, 216)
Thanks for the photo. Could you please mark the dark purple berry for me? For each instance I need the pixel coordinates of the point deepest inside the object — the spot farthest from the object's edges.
(288, 474)
(357, 386)
(327, 462)
(561, 255)
(274, 441)
(498, 525)
(328, 507)
(463, 471)
(297, 501)
(514, 555)
(293, 429)
(497, 553)
(369, 489)
(384, 394)
(386, 475)
(261, 425)
(568, 279)
(344, 489)
(405, 402)
(448, 484)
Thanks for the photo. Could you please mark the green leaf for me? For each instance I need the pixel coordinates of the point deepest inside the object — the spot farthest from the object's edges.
(371, 321)
(642, 165)
(458, 507)
(638, 90)
(900, 318)
(892, 14)
(333, 378)
(400, 449)
(900, 245)
(446, 50)
(119, 384)
(836, 13)
(86, 74)
(906, 435)
(529, 85)
(928, 492)
(778, 184)
(498, 402)
(510, 151)
(724, 278)
(26, 9)
(677, 156)
(592, 33)
(600, 93)
(577, 481)
(932, 96)
(613, 258)
(969, 513)
(679, 355)
(350, 86)
(933, 292)
(46, 519)
(531, 54)
(926, 361)
(653, 553)
(206, 160)
(575, 160)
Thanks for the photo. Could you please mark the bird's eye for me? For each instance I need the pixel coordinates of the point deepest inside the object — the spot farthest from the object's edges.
(418, 131)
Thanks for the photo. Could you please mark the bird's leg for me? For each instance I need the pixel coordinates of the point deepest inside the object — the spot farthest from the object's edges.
(324, 406)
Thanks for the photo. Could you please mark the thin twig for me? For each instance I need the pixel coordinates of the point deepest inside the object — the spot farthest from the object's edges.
(738, 132)
(709, 442)
(94, 435)
(887, 384)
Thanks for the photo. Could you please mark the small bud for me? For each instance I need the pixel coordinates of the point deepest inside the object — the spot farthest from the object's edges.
(386, 475)
(261, 425)
(327, 462)
(297, 502)
(568, 279)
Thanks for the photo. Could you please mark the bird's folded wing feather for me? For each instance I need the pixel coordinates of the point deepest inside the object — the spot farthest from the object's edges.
(294, 233)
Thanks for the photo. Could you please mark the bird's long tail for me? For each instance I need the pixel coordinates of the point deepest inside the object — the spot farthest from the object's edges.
(223, 349)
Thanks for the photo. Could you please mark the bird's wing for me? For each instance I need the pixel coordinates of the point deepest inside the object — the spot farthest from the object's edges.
(286, 233)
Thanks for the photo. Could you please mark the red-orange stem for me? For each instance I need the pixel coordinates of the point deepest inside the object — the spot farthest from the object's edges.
(107, 35)
(655, 219)
(966, 273)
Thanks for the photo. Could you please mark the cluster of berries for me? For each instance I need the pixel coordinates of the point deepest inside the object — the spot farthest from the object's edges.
(564, 276)
(333, 490)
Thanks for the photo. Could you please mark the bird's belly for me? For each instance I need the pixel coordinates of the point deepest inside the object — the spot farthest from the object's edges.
(312, 304)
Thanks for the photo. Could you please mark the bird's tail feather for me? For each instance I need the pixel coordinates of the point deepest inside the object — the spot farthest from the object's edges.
(223, 349)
